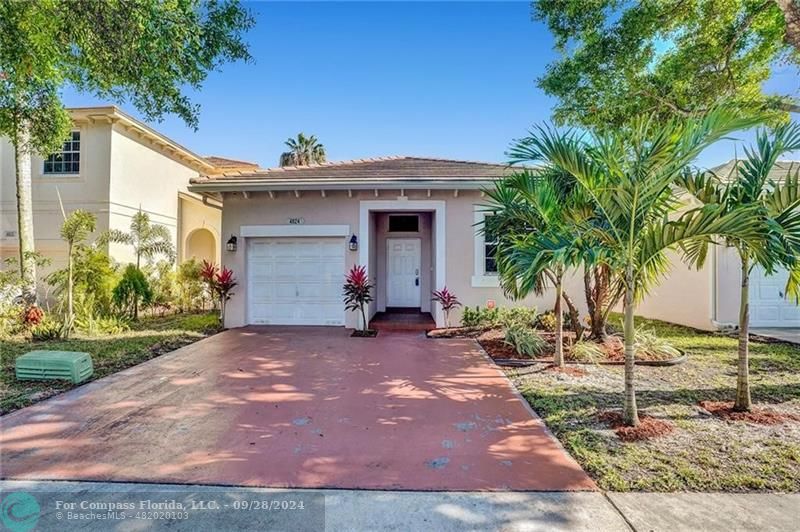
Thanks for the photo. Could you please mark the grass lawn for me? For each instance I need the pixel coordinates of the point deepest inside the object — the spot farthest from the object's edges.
(703, 453)
(148, 338)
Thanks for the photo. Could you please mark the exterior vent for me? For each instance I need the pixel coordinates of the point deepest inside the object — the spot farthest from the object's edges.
(54, 365)
(9, 234)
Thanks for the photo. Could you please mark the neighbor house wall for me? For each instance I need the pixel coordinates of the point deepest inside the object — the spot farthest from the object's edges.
(143, 177)
(88, 190)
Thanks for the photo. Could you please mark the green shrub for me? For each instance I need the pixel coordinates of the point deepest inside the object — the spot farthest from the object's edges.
(99, 325)
(525, 316)
(49, 329)
(132, 292)
(546, 321)
(646, 342)
(525, 340)
(587, 351)
(190, 290)
(162, 280)
(479, 317)
(94, 277)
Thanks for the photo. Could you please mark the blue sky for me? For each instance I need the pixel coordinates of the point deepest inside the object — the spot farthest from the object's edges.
(453, 80)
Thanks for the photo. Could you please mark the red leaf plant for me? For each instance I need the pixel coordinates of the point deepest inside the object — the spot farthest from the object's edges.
(358, 292)
(220, 283)
(448, 301)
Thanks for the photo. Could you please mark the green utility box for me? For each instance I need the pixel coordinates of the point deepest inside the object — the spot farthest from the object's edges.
(65, 365)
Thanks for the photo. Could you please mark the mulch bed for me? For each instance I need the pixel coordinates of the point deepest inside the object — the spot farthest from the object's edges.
(648, 428)
(762, 416)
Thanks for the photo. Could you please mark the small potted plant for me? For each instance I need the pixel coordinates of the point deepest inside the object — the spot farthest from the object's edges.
(358, 294)
(448, 301)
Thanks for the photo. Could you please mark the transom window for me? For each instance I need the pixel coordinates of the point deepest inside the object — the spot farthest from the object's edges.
(490, 241)
(68, 160)
(403, 223)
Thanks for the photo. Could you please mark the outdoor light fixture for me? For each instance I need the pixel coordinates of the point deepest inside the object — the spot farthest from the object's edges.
(231, 245)
(353, 243)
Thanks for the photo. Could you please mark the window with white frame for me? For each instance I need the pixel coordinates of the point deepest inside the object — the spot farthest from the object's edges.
(485, 269)
(490, 241)
(68, 160)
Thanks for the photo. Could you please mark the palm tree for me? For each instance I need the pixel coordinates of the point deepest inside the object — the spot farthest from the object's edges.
(147, 239)
(750, 188)
(76, 227)
(630, 177)
(303, 151)
(527, 208)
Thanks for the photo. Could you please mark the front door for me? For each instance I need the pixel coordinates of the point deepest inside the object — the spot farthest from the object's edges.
(403, 258)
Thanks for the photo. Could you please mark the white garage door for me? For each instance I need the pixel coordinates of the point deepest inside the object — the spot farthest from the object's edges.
(768, 305)
(295, 281)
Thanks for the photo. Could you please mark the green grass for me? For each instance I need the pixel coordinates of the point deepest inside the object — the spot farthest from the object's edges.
(148, 338)
(703, 453)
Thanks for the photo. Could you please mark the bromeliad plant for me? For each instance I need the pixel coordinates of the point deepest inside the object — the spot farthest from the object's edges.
(447, 300)
(630, 177)
(220, 283)
(358, 292)
(750, 190)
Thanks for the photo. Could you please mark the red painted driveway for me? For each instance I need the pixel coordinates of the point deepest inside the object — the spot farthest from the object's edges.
(296, 407)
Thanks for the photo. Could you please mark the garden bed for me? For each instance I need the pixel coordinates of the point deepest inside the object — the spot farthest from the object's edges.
(148, 338)
(708, 448)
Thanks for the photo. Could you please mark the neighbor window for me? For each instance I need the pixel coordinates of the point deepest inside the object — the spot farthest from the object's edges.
(490, 241)
(68, 160)
(403, 224)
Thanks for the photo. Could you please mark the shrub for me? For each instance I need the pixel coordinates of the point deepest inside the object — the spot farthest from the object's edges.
(647, 343)
(586, 351)
(525, 340)
(546, 321)
(220, 283)
(358, 292)
(480, 317)
(191, 292)
(94, 277)
(525, 316)
(448, 302)
(32, 316)
(49, 329)
(98, 325)
(132, 291)
(162, 280)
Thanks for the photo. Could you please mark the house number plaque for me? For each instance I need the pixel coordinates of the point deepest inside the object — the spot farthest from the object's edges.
(297, 221)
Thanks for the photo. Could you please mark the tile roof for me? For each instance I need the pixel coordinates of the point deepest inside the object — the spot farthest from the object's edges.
(778, 172)
(379, 168)
(225, 163)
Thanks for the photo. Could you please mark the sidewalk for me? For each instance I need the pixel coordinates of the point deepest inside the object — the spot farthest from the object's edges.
(344, 510)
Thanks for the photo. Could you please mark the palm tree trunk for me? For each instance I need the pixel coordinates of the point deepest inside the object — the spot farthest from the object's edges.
(558, 359)
(70, 307)
(743, 400)
(27, 260)
(630, 414)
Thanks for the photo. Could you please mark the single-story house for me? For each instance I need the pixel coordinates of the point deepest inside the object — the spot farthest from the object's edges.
(411, 221)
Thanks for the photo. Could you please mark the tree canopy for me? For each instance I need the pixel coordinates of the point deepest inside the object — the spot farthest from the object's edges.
(670, 57)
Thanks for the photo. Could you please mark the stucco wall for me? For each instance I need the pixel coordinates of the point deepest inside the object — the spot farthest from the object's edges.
(143, 177)
(337, 208)
(194, 216)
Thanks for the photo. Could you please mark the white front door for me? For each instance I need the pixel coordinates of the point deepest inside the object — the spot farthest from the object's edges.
(403, 258)
(769, 306)
(295, 281)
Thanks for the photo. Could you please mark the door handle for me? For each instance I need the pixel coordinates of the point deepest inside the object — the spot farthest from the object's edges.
(416, 281)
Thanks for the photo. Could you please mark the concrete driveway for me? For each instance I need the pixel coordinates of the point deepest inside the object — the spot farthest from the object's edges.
(296, 407)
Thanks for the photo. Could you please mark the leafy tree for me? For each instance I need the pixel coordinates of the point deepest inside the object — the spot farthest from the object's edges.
(142, 51)
(132, 291)
(630, 176)
(76, 227)
(674, 58)
(303, 151)
(529, 208)
(751, 189)
(148, 240)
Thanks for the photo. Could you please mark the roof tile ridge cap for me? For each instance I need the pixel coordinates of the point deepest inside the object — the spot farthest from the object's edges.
(448, 160)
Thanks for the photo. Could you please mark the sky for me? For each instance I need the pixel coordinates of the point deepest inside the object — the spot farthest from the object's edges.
(451, 80)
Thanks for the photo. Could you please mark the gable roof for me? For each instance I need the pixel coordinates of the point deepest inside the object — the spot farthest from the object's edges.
(778, 172)
(395, 170)
(224, 164)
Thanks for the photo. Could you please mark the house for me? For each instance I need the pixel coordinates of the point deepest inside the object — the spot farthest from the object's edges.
(113, 165)
(410, 221)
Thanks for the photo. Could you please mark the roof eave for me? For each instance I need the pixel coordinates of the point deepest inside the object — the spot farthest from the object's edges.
(244, 185)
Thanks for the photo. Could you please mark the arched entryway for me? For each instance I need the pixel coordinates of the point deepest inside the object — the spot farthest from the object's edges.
(201, 244)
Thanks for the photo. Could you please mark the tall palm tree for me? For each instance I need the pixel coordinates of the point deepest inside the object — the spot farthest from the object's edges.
(630, 177)
(750, 188)
(303, 151)
(148, 240)
(76, 227)
(527, 207)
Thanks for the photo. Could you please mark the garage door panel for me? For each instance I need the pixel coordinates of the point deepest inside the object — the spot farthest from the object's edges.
(769, 306)
(296, 281)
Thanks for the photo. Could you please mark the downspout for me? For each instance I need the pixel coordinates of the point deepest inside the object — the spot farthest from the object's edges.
(720, 326)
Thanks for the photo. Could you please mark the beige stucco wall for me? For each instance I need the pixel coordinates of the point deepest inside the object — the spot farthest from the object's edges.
(339, 209)
(195, 218)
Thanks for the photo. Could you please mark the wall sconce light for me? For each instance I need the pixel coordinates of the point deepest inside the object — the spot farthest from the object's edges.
(231, 244)
(353, 243)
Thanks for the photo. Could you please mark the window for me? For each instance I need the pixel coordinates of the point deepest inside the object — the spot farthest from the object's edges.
(403, 223)
(68, 160)
(490, 241)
